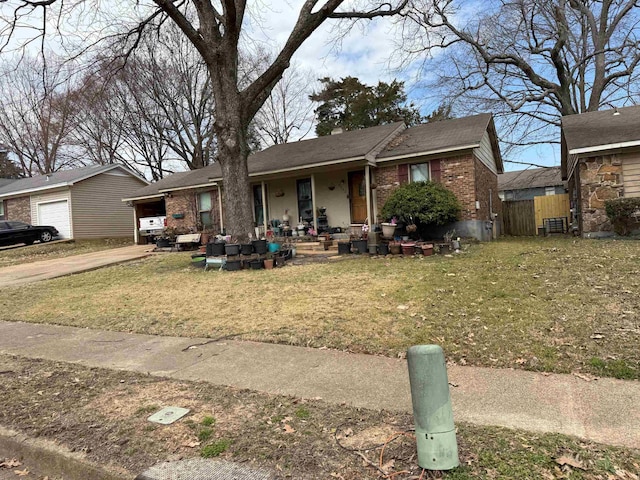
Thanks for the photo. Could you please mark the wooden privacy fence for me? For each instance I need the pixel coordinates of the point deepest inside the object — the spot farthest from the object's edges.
(524, 217)
(519, 217)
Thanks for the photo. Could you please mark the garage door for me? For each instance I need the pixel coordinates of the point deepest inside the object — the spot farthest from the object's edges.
(57, 215)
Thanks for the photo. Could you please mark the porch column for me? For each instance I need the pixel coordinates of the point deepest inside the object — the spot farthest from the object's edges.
(374, 199)
(136, 228)
(220, 208)
(313, 202)
(367, 189)
(264, 207)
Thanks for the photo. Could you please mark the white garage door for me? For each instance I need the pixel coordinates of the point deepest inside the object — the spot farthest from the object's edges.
(57, 215)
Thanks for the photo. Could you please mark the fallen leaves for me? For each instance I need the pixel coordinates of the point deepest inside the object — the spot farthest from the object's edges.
(14, 462)
(22, 473)
(571, 461)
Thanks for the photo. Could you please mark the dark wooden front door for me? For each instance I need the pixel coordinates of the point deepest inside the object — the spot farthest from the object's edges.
(357, 197)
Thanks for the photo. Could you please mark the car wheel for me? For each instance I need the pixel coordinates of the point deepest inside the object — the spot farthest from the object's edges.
(46, 236)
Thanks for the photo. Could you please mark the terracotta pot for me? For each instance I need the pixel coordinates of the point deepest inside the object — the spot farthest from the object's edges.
(269, 263)
(408, 248)
(395, 248)
(427, 249)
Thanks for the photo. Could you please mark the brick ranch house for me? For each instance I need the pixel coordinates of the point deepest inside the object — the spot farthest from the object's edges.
(349, 176)
(80, 203)
(601, 161)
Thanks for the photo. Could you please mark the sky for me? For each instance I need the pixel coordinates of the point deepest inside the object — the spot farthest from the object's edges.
(369, 51)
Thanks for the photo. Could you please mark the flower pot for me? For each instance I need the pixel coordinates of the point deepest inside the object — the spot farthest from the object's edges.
(395, 248)
(256, 265)
(373, 249)
(260, 246)
(444, 249)
(246, 249)
(163, 243)
(427, 249)
(280, 261)
(274, 247)
(198, 262)
(232, 265)
(269, 263)
(360, 246)
(383, 249)
(388, 229)
(344, 248)
(215, 249)
(232, 249)
(408, 248)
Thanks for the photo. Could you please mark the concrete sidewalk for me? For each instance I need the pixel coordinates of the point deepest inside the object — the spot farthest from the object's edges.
(59, 267)
(604, 410)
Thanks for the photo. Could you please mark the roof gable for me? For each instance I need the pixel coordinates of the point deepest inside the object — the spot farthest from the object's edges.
(531, 178)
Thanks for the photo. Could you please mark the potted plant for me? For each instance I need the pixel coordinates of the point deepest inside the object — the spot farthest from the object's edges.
(388, 229)
(269, 262)
(395, 248)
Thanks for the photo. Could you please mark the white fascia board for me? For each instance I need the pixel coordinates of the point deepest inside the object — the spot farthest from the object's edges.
(22, 193)
(190, 187)
(428, 153)
(132, 199)
(304, 167)
(601, 148)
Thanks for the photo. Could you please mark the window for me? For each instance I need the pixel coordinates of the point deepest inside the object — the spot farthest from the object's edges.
(204, 209)
(305, 203)
(419, 172)
(1, 209)
(549, 190)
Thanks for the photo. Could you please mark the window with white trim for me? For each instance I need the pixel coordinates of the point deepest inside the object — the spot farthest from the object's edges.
(1, 209)
(549, 190)
(419, 172)
(204, 209)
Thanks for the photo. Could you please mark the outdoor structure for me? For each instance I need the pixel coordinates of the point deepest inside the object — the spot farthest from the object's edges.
(527, 184)
(342, 180)
(80, 203)
(601, 161)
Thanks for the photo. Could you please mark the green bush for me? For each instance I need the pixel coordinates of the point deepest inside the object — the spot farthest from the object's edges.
(427, 203)
(621, 213)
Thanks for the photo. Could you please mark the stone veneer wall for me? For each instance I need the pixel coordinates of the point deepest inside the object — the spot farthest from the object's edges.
(185, 202)
(598, 179)
(18, 209)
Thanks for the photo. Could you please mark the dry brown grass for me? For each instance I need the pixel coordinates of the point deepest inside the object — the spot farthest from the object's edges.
(543, 304)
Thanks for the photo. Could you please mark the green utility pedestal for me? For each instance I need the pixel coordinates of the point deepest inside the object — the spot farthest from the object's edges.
(432, 413)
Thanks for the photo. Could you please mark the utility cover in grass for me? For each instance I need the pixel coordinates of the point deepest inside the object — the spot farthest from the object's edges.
(168, 415)
(204, 469)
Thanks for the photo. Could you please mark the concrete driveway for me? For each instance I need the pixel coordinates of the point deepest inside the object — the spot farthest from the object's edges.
(59, 267)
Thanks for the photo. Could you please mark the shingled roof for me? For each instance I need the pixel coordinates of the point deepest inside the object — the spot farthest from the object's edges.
(601, 129)
(531, 178)
(58, 179)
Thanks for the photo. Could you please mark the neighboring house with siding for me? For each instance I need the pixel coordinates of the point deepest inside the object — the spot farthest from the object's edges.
(341, 180)
(530, 183)
(600, 161)
(80, 203)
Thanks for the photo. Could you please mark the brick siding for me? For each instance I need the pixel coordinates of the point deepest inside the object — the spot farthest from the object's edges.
(186, 203)
(458, 175)
(487, 184)
(18, 209)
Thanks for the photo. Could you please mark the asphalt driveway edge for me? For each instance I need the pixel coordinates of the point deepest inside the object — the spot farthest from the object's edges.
(53, 459)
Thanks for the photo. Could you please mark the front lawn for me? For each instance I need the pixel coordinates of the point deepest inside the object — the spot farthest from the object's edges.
(49, 251)
(561, 305)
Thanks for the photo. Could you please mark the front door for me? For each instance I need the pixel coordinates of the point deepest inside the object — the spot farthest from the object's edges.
(357, 197)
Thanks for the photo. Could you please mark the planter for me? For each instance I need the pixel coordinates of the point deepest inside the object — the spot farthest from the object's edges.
(280, 261)
(232, 265)
(360, 246)
(232, 249)
(444, 248)
(274, 247)
(388, 229)
(246, 249)
(260, 246)
(427, 249)
(395, 248)
(163, 243)
(383, 249)
(269, 263)
(373, 249)
(198, 262)
(215, 249)
(344, 248)
(256, 265)
(408, 248)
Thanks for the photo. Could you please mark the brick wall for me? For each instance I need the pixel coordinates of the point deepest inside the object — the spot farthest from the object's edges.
(186, 203)
(458, 175)
(386, 179)
(597, 179)
(18, 209)
(487, 184)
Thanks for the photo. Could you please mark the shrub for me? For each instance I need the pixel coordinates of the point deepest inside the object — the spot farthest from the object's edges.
(427, 203)
(623, 214)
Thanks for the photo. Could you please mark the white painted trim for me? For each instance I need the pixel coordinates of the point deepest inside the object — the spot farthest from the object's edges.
(600, 148)
(22, 193)
(367, 194)
(190, 187)
(313, 202)
(69, 212)
(159, 195)
(293, 169)
(427, 153)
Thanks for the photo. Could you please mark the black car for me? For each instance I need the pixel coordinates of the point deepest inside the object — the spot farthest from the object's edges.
(19, 232)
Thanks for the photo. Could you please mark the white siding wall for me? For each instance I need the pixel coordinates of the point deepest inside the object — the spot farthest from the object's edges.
(97, 206)
(631, 174)
(63, 194)
(485, 153)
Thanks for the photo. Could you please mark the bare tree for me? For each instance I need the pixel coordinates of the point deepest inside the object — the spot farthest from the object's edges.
(37, 114)
(531, 61)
